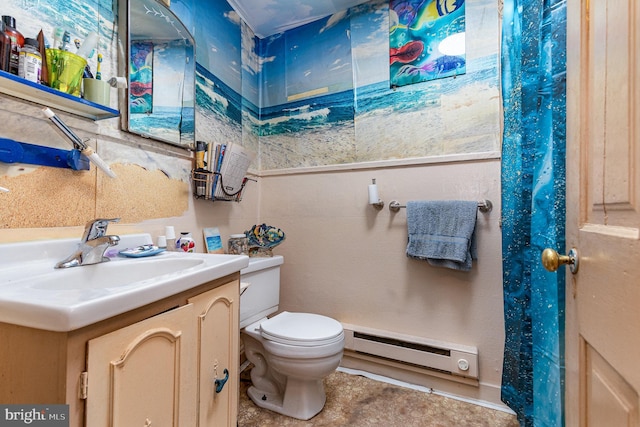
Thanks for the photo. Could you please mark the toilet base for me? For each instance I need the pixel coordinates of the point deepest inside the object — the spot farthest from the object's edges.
(302, 399)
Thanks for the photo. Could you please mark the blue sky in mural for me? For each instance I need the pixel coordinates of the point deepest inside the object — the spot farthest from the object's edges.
(318, 56)
(216, 30)
(323, 63)
(311, 60)
(369, 37)
(184, 9)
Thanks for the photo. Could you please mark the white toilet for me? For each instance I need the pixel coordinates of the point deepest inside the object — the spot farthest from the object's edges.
(291, 352)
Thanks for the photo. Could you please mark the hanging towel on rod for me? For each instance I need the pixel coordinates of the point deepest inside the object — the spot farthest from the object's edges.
(442, 232)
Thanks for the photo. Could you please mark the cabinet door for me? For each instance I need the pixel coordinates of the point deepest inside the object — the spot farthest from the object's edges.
(218, 354)
(144, 374)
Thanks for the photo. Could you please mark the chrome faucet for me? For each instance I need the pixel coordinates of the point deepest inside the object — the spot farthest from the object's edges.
(93, 245)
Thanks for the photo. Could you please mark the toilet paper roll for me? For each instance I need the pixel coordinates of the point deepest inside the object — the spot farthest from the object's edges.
(373, 194)
(119, 82)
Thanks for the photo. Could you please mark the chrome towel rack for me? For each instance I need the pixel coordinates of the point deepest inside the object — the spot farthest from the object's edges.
(484, 206)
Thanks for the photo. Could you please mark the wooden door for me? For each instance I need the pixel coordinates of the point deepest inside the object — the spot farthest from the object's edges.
(218, 336)
(603, 213)
(144, 374)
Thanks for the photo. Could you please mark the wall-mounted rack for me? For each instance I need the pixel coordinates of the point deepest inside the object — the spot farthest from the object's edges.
(484, 206)
(23, 89)
(209, 185)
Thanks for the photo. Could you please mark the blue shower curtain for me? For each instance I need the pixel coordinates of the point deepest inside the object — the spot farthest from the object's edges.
(533, 203)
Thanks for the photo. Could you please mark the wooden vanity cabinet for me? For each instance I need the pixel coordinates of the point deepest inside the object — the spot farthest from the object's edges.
(143, 374)
(218, 343)
(156, 365)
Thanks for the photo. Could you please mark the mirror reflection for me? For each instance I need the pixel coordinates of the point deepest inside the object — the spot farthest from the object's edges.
(160, 66)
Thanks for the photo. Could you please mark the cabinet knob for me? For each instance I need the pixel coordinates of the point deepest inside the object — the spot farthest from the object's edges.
(221, 382)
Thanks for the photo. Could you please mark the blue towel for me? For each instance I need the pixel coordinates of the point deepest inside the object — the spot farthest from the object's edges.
(442, 232)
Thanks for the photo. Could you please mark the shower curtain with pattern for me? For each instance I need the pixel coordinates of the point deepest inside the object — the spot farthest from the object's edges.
(533, 203)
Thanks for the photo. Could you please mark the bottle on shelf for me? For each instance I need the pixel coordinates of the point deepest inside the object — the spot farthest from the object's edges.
(17, 41)
(5, 49)
(30, 61)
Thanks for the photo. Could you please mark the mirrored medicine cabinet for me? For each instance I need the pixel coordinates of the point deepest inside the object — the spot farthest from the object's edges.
(158, 58)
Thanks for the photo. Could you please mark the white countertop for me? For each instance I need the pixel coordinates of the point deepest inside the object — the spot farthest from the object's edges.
(35, 294)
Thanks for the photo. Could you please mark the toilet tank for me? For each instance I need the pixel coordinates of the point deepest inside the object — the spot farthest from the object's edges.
(262, 295)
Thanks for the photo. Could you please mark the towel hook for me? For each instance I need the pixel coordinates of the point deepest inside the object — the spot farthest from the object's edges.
(484, 206)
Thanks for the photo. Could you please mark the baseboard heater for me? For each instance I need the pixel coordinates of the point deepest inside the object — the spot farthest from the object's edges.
(441, 357)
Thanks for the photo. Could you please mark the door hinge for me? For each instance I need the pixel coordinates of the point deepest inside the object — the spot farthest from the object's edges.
(84, 385)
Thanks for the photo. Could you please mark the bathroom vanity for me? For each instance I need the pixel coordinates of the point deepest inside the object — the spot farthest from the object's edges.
(171, 361)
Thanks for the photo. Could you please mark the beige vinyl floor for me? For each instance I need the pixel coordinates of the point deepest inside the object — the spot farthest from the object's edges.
(358, 401)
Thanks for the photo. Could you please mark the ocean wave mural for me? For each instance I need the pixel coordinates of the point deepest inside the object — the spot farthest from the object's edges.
(323, 94)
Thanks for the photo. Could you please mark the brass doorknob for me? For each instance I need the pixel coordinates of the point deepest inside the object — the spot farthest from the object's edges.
(551, 260)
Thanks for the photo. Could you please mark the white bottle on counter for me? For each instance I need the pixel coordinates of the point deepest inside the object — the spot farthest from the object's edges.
(170, 234)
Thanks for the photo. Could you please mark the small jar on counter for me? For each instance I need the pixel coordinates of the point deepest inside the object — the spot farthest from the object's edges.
(238, 245)
(170, 236)
(186, 243)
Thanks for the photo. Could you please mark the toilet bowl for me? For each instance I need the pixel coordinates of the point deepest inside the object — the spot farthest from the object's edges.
(291, 352)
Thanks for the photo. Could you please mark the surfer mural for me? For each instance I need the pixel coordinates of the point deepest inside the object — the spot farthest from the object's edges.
(426, 40)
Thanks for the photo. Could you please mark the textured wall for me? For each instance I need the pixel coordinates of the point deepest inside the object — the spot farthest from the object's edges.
(345, 259)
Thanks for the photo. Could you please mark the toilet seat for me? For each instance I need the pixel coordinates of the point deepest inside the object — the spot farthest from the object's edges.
(301, 329)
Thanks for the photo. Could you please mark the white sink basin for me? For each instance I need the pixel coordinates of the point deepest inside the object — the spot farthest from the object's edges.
(109, 275)
(33, 293)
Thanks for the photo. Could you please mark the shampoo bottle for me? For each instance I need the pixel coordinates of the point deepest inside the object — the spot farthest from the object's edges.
(5, 49)
(17, 41)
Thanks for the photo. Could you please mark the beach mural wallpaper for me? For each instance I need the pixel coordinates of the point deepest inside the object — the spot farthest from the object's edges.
(320, 94)
(219, 84)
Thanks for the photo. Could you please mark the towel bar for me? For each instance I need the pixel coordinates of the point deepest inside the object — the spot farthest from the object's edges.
(484, 206)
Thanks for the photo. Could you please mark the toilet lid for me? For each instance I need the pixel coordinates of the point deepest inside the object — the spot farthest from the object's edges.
(301, 329)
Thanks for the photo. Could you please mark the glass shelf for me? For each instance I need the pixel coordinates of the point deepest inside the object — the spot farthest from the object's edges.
(13, 85)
